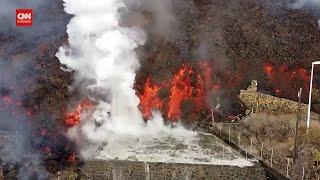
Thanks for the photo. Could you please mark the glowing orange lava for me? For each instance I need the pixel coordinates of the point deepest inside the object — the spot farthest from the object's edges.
(7, 100)
(181, 90)
(268, 69)
(72, 158)
(46, 150)
(204, 85)
(216, 87)
(149, 99)
(73, 118)
(284, 78)
(186, 85)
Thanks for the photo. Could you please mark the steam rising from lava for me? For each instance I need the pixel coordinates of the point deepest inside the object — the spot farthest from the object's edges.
(102, 51)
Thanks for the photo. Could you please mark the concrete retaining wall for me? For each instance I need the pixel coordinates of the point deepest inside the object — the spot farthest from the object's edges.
(134, 170)
(260, 102)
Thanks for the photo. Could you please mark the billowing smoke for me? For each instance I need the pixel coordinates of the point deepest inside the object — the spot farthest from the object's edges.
(161, 12)
(104, 52)
(20, 53)
(305, 3)
(310, 4)
(15, 76)
(161, 21)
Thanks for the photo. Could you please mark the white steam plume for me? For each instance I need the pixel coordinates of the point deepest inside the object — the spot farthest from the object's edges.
(102, 50)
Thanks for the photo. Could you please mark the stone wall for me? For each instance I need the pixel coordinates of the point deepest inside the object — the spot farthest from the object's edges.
(122, 170)
(260, 102)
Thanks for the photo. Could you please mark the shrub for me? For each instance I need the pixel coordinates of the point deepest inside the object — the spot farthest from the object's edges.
(265, 126)
(314, 137)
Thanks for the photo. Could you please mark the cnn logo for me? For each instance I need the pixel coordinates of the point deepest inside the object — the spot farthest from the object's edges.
(24, 17)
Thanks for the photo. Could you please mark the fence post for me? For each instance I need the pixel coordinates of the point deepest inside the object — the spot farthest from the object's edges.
(212, 117)
(239, 140)
(261, 151)
(229, 132)
(271, 157)
(246, 153)
(295, 148)
(288, 161)
(223, 152)
(251, 145)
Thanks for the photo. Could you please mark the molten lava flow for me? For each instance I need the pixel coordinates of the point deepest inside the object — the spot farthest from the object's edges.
(193, 85)
(186, 85)
(268, 69)
(304, 75)
(284, 78)
(72, 158)
(181, 90)
(43, 132)
(204, 85)
(216, 87)
(200, 92)
(207, 71)
(7, 100)
(46, 150)
(29, 112)
(73, 118)
(10, 104)
(149, 99)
